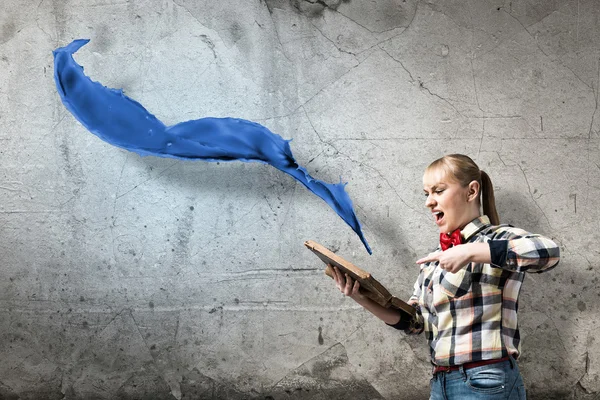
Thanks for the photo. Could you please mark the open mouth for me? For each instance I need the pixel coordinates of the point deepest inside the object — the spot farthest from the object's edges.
(438, 215)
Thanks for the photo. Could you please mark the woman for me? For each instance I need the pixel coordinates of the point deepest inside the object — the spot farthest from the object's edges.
(466, 295)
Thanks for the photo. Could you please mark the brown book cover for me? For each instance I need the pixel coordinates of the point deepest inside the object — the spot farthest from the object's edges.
(369, 286)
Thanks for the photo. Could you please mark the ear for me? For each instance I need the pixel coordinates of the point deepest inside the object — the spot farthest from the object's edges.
(473, 191)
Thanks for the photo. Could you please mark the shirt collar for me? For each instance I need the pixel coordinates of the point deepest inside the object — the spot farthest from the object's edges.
(474, 226)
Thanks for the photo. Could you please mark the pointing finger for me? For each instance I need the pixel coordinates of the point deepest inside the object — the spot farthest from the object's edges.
(429, 258)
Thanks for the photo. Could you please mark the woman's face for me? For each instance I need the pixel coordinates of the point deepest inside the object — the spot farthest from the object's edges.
(448, 201)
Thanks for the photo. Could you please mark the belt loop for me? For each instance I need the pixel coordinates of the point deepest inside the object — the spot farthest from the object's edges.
(512, 361)
(461, 369)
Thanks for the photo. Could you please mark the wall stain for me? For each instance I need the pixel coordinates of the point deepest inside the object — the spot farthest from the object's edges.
(102, 41)
(58, 10)
(310, 8)
(321, 341)
(236, 31)
(9, 30)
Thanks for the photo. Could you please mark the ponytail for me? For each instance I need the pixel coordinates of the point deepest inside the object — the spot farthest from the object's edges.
(488, 200)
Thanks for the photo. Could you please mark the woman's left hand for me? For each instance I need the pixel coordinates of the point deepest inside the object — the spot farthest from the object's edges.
(451, 260)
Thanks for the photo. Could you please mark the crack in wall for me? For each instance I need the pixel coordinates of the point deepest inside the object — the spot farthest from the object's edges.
(422, 85)
(545, 54)
(595, 91)
(277, 36)
(533, 198)
(331, 41)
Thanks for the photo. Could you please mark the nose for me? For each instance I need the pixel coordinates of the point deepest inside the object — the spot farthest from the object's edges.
(429, 201)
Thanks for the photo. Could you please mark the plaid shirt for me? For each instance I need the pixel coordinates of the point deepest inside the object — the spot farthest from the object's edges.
(472, 315)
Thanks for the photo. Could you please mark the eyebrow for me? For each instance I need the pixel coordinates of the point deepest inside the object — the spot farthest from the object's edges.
(433, 187)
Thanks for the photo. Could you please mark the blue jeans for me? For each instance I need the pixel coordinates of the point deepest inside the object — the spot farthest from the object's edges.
(500, 381)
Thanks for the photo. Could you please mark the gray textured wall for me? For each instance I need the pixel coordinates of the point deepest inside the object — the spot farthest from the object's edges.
(129, 277)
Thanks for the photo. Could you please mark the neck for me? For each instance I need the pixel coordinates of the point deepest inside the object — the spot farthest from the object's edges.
(470, 216)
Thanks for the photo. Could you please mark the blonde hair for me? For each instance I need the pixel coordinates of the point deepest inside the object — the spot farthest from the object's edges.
(462, 169)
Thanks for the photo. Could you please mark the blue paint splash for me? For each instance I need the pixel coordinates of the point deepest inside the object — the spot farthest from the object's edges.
(125, 123)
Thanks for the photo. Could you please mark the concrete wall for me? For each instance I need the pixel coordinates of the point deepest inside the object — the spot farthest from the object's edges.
(129, 277)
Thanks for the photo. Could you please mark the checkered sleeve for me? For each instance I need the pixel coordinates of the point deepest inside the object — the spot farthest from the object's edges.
(414, 325)
(517, 250)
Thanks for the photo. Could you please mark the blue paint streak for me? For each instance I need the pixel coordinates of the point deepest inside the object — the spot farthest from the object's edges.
(123, 122)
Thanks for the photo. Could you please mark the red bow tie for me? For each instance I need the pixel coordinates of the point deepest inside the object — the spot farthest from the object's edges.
(447, 241)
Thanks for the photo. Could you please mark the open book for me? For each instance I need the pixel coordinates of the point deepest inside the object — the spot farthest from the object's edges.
(369, 287)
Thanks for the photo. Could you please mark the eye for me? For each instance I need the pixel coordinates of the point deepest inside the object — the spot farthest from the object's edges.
(439, 191)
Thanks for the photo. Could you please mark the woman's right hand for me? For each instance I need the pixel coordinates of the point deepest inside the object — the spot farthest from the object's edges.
(348, 286)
